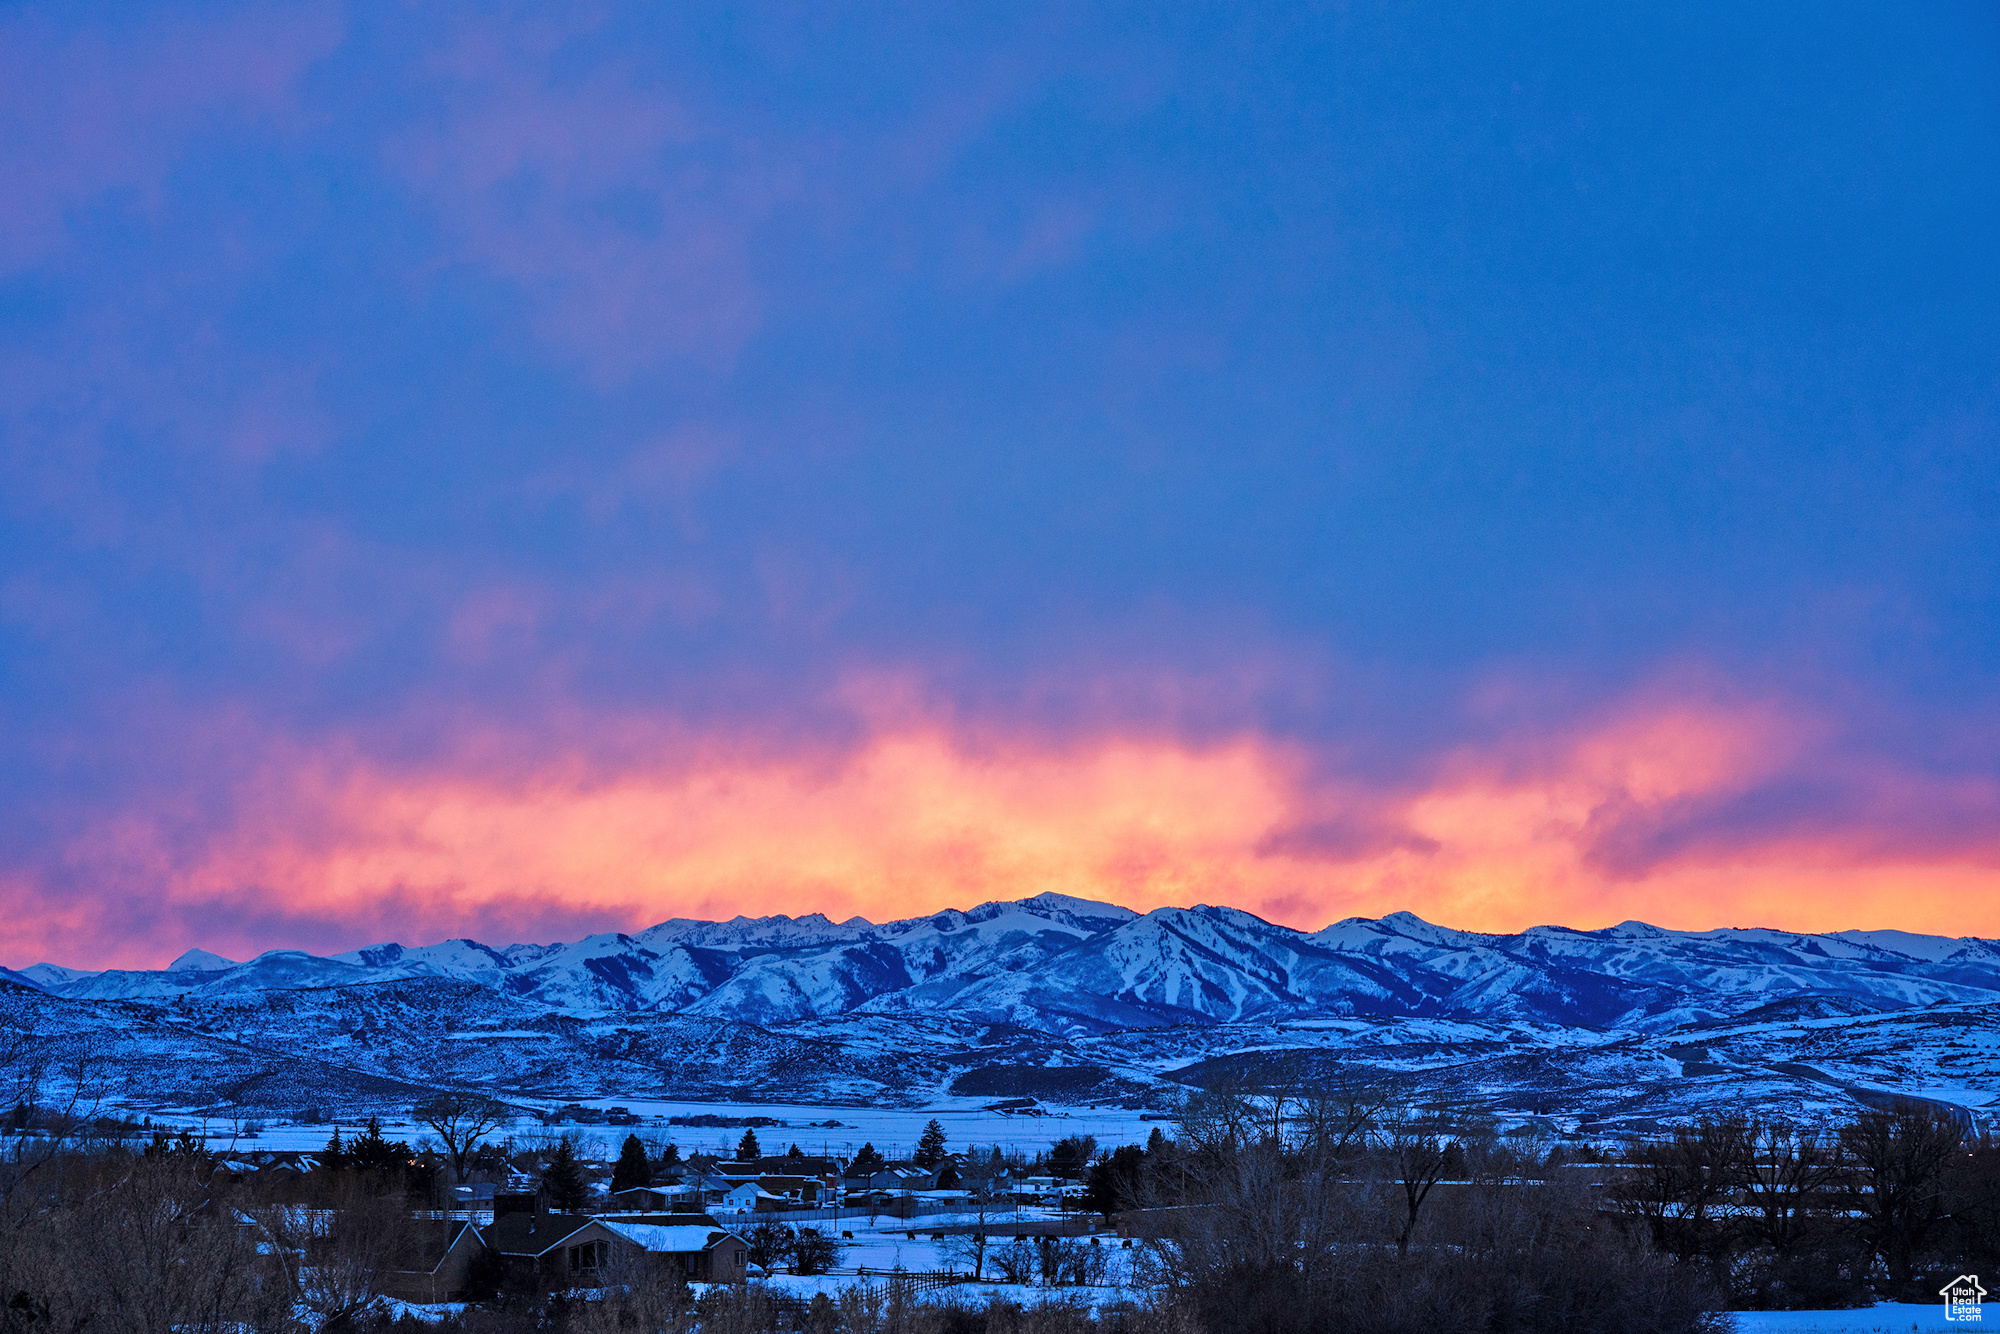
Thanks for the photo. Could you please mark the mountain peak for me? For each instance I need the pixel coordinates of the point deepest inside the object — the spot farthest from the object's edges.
(1050, 901)
(1633, 929)
(1406, 923)
(200, 961)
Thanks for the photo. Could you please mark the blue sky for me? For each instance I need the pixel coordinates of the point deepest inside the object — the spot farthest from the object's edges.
(476, 409)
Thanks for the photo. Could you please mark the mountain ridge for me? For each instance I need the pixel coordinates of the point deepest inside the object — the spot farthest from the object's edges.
(1079, 965)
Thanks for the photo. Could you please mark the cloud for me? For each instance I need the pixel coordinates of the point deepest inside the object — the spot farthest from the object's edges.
(325, 847)
(98, 109)
(620, 213)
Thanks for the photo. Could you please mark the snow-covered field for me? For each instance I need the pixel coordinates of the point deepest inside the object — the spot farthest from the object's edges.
(892, 1130)
(1888, 1318)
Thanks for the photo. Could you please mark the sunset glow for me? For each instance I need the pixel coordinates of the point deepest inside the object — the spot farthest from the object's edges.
(337, 852)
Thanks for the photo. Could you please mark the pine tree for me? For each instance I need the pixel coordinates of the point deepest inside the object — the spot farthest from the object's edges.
(930, 1148)
(632, 1169)
(334, 1159)
(867, 1161)
(795, 1152)
(373, 1152)
(746, 1148)
(563, 1177)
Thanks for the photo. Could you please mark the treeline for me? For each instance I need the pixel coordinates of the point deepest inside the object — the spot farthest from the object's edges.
(162, 1239)
(1325, 1206)
(1892, 1204)
(1330, 1200)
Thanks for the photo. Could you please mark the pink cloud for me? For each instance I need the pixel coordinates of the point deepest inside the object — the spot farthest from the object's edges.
(608, 821)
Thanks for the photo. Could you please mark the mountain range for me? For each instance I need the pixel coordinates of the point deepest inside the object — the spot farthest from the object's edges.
(1051, 1005)
(1077, 967)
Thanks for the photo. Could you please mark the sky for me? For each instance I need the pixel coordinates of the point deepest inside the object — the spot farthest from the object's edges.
(522, 472)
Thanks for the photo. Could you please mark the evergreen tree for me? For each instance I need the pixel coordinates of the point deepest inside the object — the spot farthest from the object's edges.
(563, 1177)
(868, 1161)
(670, 1156)
(334, 1157)
(795, 1152)
(746, 1148)
(930, 1148)
(631, 1169)
(373, 1152)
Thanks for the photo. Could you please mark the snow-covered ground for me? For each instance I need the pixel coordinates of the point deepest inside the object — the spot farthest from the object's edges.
(1888, 1318)
(892, 1130)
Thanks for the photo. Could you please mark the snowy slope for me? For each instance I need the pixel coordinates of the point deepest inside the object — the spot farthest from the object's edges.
(1081, 966)
(1050, 997)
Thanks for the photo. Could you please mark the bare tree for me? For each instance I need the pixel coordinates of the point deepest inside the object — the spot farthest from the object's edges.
(1682, 1182)
(332, 1252)
(1784, 1171)
(59, 1083)
(147, 1247)
(462, 1121)
(1253, 1211)
(1218, 1117)
(1340, 1115)
(1896, 1179)
(1016, 1261)
(970, 1247)
(1284, 1085)
(1420, 1152)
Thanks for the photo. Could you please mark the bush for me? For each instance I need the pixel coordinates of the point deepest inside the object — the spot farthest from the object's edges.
(813, 1252)
(1016, 1261)
(772, 1244)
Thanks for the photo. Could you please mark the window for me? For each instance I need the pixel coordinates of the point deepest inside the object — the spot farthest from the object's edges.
(591, 1255)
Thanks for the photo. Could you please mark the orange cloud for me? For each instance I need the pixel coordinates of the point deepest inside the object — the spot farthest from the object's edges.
(921, 815)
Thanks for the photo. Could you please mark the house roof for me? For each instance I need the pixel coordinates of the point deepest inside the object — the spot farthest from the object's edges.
(533, 1234)
(784, 1164)
(671, 1238)
(427, 1255)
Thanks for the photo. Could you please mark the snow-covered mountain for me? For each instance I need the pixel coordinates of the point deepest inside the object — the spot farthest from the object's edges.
(1055, 998)
(1076, 966)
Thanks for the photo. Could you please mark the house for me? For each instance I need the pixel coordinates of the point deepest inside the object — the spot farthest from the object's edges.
(990, 1185)
(638, 1200)
(750, 1197)
(552, 1250)
(797, 1191)
(436, 1271)
(474, 1195)
(572, 1250)
(700, 1190)
(896, 1178)
(784, 1164)
(699, 1251)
